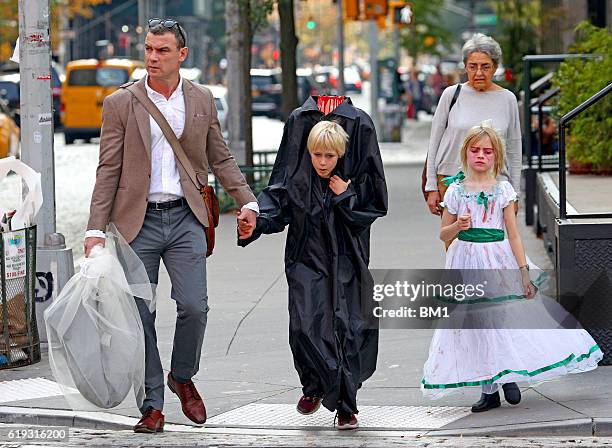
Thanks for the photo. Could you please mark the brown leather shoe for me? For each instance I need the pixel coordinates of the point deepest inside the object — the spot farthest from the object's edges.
(191, 402)
(152, 421)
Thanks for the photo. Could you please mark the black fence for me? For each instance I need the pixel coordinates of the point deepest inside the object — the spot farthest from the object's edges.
(256, 175)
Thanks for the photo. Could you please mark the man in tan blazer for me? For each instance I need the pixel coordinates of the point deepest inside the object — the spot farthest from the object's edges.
(146, 193)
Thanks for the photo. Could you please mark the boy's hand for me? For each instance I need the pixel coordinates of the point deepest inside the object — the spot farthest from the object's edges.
(246, 224)
(337, 185)
(464, 222)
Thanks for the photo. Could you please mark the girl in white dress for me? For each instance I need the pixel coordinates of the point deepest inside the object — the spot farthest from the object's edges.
(479, 213)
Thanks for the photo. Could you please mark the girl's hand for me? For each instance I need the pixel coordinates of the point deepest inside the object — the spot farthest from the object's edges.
(337, 185)
(529, 288)
(464, 222)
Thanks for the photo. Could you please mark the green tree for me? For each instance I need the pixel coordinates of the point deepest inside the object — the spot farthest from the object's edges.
(425, 35)
(590, 133)
(518, 25)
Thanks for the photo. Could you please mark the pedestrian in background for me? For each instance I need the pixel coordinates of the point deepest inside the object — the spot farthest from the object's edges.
(142, 189)
(479, 99)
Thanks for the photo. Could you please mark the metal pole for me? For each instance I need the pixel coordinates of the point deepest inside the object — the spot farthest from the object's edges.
(142, 18)
(53, 260)
(540, 134)
(396, 44)
(473, 16)
(527, 106)
(530, 175)
(36, 103)
(373, 42)
(340, 35)
(562, 180)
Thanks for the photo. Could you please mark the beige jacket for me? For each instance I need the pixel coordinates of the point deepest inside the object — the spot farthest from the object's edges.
(124, 168)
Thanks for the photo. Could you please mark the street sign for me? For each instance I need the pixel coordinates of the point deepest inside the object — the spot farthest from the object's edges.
(485, 19)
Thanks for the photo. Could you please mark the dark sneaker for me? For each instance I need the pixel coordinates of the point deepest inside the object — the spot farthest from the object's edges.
(308, 405)
(346, 421)
(512, 393)
(487, 402)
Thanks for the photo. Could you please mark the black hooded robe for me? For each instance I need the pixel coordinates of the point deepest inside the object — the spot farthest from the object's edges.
(332, 334)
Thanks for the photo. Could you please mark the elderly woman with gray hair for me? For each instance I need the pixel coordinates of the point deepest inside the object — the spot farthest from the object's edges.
(465, 105)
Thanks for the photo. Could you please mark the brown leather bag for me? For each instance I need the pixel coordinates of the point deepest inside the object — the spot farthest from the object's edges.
(211, 202)
(213, 211)
(424, 173)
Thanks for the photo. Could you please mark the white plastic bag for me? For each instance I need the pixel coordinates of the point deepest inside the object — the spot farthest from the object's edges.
(30, 205)
(96, 340)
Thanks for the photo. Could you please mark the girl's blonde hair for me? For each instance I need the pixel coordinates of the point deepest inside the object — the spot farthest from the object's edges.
(328, 135)
(477, 133)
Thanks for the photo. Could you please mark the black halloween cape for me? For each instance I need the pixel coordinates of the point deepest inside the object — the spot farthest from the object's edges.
(333, 340)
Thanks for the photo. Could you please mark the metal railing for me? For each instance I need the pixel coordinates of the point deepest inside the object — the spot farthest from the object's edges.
(258, 174)
(541, 101)
(529, 88)
(563, 125)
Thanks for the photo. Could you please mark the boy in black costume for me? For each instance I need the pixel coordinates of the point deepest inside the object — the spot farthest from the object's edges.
(329, 203)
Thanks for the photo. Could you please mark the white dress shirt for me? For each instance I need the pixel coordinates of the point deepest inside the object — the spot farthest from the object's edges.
(165, 182)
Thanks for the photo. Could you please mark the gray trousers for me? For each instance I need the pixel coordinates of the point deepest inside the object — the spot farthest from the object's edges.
(176, 237)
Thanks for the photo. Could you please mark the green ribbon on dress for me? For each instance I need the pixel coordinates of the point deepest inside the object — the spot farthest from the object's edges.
(571, 359)
(484, 200)
(449, 180)
(481, 235)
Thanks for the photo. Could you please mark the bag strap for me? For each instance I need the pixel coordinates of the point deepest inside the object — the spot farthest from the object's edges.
(152, 109)
(453, 101)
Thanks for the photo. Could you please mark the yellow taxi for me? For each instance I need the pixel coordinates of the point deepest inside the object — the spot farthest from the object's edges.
(87, 83)
(9, 133)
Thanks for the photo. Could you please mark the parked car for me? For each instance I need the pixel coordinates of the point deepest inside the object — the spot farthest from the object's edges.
(352, 80)
(9, 132)
(220, 96)
(326, 80)
(9, 89)
(266, 89)
(306, 84)
(88, 82)
(192, 74)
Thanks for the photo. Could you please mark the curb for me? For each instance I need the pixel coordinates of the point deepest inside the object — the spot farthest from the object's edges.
(584, 427)
(81, 419)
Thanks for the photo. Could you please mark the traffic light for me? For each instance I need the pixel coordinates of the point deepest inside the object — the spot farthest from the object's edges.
(311, 24)
(375, 8)
(351, 9)
(402, 12)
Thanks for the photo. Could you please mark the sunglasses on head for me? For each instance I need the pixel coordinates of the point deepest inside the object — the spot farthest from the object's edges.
(167, 23)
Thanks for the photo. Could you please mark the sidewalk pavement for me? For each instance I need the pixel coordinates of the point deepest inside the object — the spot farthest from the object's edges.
(247, 377)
